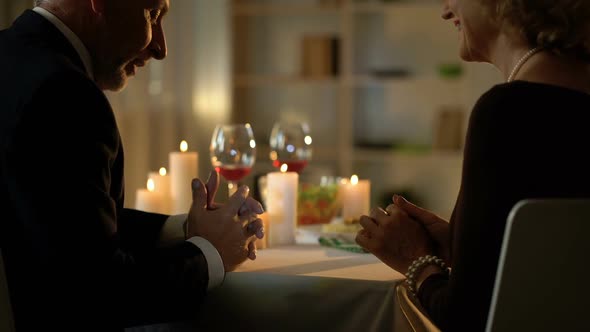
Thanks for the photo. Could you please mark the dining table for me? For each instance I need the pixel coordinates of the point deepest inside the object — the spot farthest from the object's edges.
(303, 287)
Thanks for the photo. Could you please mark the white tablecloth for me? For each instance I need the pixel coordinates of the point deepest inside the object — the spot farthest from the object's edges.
(302, 288)
(318, 261)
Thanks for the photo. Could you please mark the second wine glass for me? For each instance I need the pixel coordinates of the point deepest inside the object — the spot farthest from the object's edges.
(233, 152)
(290, 144)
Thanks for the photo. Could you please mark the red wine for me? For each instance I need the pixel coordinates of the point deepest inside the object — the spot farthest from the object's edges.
(292, 165)
(233, 173)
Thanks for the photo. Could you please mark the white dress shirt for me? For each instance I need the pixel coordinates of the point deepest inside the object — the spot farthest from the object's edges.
(173, 227)
(173, 231)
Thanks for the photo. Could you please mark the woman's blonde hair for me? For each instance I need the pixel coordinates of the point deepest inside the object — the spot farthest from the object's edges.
(559, 25)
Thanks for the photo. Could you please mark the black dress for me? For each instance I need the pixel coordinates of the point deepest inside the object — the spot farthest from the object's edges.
(525, 140)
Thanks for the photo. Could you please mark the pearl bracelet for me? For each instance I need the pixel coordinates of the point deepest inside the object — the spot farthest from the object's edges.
(418, 265)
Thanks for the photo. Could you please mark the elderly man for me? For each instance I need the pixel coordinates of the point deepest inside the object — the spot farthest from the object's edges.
(75, 258)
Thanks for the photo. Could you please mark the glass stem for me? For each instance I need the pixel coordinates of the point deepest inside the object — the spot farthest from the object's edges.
(232, 187)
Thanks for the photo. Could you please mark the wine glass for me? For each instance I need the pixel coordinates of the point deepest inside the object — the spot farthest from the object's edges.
(233, 152)
(290, 144)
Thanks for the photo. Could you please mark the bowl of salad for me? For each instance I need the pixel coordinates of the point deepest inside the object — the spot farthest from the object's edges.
(317, 203)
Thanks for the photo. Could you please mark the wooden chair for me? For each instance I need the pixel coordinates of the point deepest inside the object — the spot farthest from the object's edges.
(416, 318)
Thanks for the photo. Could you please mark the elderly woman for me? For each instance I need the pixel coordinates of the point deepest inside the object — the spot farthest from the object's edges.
(526, 139)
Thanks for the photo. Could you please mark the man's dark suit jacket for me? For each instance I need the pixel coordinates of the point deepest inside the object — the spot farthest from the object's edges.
(75, 258)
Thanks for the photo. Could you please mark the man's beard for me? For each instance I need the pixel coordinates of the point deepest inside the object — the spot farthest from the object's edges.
(111, 77)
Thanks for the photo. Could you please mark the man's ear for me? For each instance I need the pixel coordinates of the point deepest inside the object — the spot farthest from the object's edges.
(98, 6)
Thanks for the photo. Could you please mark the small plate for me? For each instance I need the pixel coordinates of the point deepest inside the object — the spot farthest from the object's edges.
(345, 237)
(307, 234)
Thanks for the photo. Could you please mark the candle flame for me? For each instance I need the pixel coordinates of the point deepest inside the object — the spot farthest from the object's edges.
(284, 168)
(273, 155)
(354, 180)
(150, 185)
(162, 171)
(308, 140)
(252, 143)
(183, 146)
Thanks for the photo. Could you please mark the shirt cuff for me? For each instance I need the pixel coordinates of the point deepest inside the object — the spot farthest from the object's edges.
(173, 230)
(214, 262)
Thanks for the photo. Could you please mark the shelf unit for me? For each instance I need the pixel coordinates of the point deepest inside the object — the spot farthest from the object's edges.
(272, 80)
(253, 8)
(377, 6)
(357, 104)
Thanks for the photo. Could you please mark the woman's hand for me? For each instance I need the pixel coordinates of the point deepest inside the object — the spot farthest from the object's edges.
(394, 237)
(437, 227)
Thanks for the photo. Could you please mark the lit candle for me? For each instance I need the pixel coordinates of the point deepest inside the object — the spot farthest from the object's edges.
(162, 187)
(148, 199)
(183, 169)
(282, 206)
(356, 198)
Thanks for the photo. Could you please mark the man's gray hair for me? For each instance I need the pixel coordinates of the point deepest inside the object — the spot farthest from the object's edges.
(38, 2)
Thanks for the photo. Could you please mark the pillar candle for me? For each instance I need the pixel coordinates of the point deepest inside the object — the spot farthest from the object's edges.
(282, 206)
(356, 198)
(148, 200)
(162, 186)
(183, 169)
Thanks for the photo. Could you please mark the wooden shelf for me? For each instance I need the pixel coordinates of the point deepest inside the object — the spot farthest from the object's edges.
(319, 153)
(391, 155)
(359, 80)
(368, 80)
(384, 7)
(283, 9)
(311, 9)
(270, 80)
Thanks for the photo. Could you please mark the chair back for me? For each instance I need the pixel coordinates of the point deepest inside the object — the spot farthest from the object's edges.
(6, 319)
(542, 278)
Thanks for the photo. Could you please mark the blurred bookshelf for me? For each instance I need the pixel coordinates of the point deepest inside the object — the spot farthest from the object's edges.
(393, 69)
(243, 8)
(273, 80)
